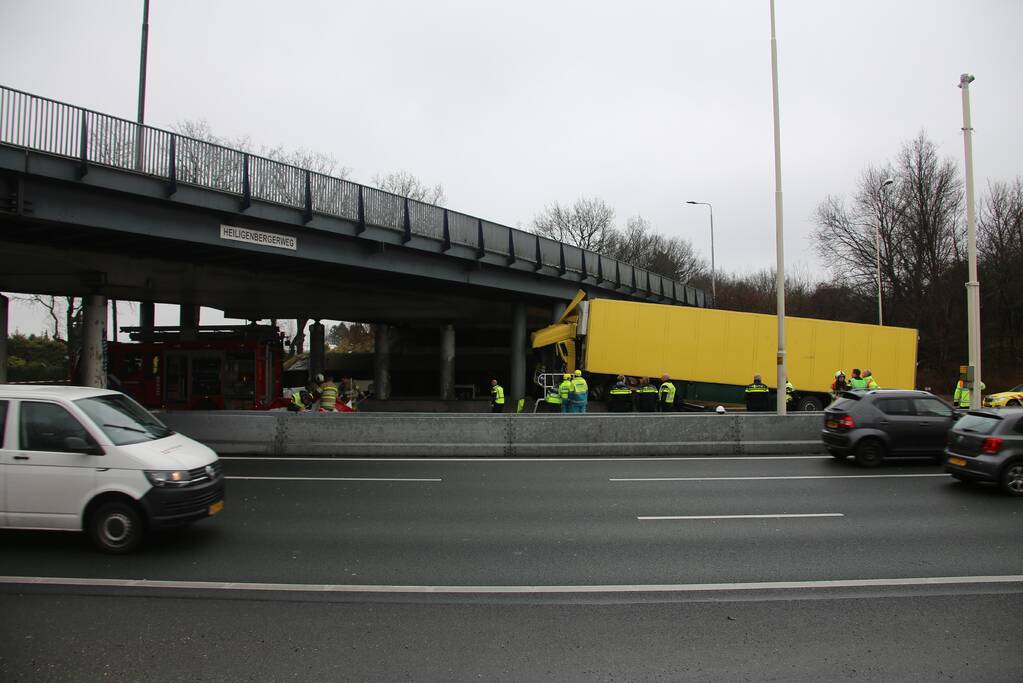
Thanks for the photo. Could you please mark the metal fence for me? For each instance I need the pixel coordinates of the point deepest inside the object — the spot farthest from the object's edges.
(92, 138)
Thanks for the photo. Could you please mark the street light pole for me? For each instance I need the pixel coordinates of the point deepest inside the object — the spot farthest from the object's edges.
(973, 286)
(877, 246)
(713, 279)
(779, 222)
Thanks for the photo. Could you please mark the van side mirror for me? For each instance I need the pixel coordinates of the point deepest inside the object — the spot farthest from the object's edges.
(77, 444)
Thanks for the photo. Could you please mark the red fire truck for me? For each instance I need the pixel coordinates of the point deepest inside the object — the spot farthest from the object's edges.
(232, 367)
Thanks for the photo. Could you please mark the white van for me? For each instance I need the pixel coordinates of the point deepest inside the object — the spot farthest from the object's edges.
(94, 460)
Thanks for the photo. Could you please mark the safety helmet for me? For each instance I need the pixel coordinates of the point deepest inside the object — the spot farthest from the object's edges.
(838, 373)
(319, 377)
(719, 409)
(578, 373)
(566, 376)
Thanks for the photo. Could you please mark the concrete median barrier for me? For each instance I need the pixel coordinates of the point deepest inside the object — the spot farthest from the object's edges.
(447, 435)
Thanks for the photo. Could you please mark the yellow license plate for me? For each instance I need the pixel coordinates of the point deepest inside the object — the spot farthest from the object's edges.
(957, 461)
(216, 507)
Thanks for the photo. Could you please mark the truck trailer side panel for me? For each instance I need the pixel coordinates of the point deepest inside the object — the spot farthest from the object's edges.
(729, 347)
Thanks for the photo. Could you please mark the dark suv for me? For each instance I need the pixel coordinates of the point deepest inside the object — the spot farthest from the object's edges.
(885, 422)
(987, 445)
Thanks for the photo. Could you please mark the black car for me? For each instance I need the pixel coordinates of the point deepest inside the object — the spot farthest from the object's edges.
(872, 425)
(987, 445)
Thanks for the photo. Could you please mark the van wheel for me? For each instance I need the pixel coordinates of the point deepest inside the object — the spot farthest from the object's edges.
(1012, 479)
(869, 453)
(116, 528)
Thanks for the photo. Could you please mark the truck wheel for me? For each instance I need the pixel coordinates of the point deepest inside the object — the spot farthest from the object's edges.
(869, 452)
(1014, 403)
(1012, 479)
(116, 528)
(809, 403)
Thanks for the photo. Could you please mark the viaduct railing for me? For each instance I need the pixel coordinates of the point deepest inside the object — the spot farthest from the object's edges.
(92, 138)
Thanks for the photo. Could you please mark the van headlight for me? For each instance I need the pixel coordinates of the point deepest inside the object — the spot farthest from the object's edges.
(169, 478)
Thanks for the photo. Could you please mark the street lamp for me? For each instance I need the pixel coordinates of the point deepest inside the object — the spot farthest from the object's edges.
(973, 286)
(877, 246)
(713, 281)
(778, 222)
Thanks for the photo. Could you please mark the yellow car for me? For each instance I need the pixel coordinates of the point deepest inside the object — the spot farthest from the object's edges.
(1012, 397)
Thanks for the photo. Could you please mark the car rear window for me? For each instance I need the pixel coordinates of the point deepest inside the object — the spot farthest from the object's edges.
(895, 406)
(843, 404)
(979, 424)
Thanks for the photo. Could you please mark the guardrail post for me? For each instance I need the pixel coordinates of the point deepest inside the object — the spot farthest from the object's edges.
(539, 255)
(481, 247)
(600, 269)
(246, 187)
(618, 275)
(511, 247)
(446, 246)
(634, 287)
(584, 274)
(674, 292)
(83, 161)
(562, 269)
(172, 166)
(307, 214)
(361, 214)
(408, 224)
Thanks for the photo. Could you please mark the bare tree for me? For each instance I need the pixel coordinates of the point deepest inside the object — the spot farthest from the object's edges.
(404, 184)
(588, 224)
(672, 257)
(1000, 252)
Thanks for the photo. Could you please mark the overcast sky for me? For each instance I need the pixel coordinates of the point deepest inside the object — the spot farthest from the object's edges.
(511, 106)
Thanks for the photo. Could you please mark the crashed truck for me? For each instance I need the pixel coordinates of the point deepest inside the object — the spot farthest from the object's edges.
(711, 355)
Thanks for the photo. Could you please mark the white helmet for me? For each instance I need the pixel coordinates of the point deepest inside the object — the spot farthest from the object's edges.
(720, 410)
(319, 378)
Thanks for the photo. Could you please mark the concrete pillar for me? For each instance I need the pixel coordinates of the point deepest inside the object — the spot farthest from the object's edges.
(558, 310)
(316, 349)
(188, 321)
(147, 320)
(94, 308)
(3, 339)
(518, 354)
(447, 362)
(382, 362)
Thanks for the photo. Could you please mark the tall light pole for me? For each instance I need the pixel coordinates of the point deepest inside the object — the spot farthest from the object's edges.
(973, 286)
(713, 279)
(779, 232)
(877, 247)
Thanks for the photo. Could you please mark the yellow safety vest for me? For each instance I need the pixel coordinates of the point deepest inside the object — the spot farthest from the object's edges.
(580, 388)
(328, 396)
(497, 392)
(565, 389)
(667, 392)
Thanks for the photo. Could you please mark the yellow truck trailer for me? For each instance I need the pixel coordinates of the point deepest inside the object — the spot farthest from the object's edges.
(711, 355)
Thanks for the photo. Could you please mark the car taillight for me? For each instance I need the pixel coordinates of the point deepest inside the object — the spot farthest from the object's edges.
(991, 445)
(846, 422)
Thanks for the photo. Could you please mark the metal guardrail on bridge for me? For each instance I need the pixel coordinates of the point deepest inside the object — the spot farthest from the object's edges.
(41, 124)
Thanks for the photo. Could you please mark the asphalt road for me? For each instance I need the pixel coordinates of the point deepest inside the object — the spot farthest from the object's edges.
(758, 568)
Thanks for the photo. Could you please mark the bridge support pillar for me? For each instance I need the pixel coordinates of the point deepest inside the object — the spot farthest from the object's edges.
(188, 321)
(3, 339)
(316, 351)
(518, 355)
(447, 362)
(382, 362)
(94, 308)
(147, 320)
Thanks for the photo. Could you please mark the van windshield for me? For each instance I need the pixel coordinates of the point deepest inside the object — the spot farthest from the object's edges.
(123, 420)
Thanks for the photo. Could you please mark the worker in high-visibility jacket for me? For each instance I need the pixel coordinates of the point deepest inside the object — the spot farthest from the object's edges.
(871, 382)
(666, 395)
(496, 397)
(565, 393)
(328, 395)
(619, 399)
(756, 395)
(961, 395)
(580, 392)
(790, 388)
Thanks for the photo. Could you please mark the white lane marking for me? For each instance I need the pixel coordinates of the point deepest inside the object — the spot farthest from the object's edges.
(335, 479)
(795, 476)
(607, 588)
(780, 516)
(527, 459)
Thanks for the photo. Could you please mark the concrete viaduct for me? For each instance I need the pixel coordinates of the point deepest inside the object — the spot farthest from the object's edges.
(99, 207)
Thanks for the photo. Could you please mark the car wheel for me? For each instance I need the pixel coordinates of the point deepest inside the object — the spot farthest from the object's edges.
(116, 528)
(869, 453)
(1012, 479)
(1014, 403)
